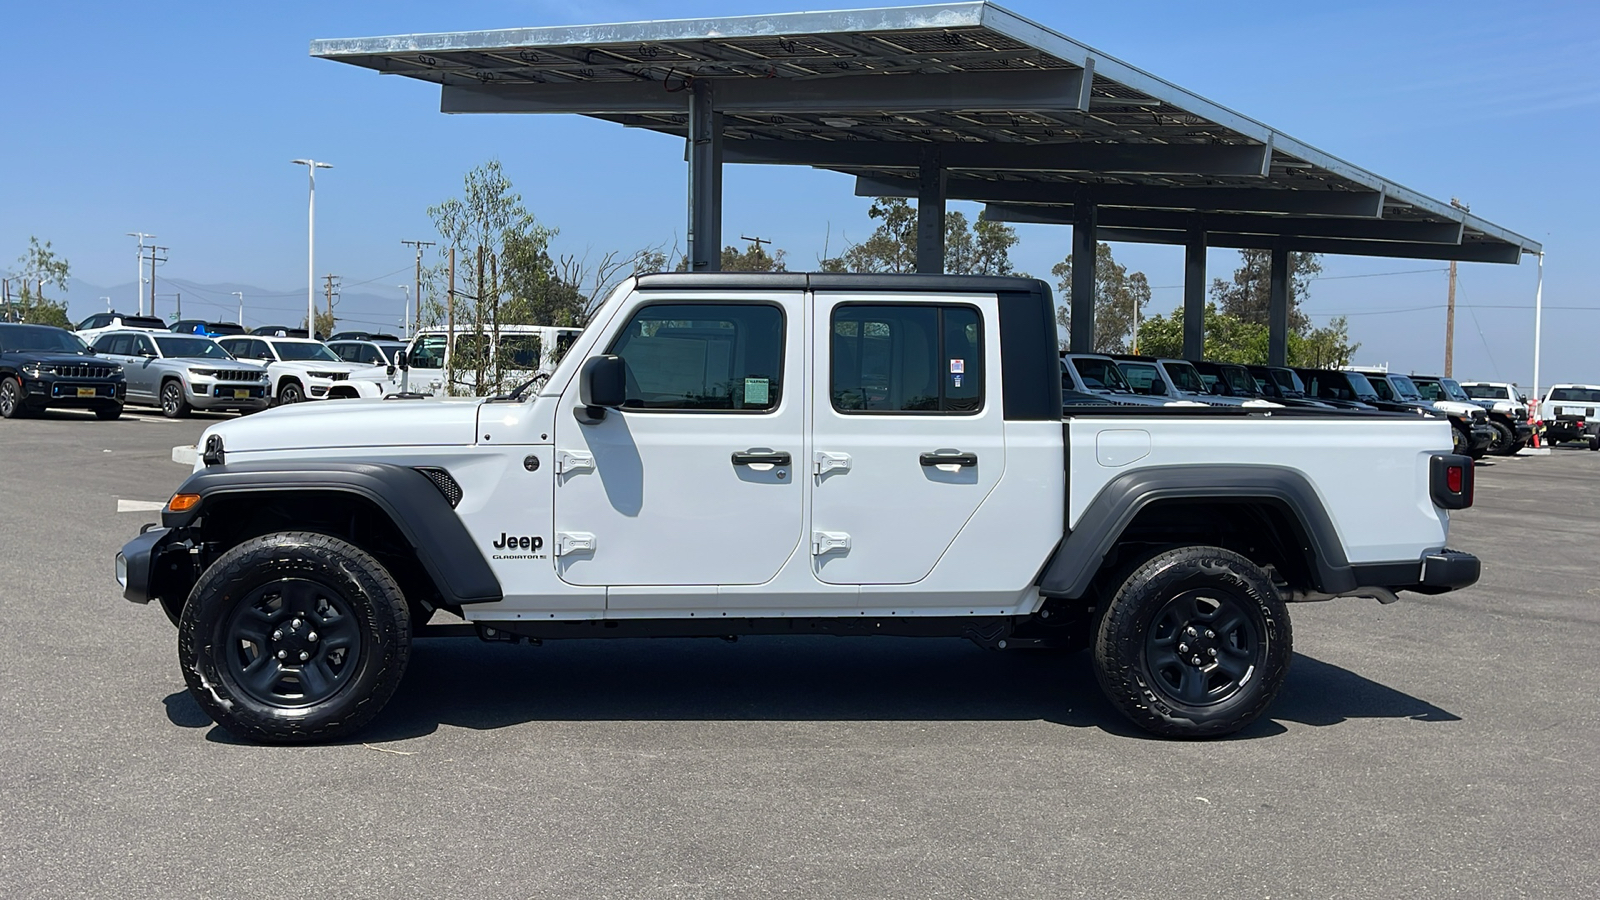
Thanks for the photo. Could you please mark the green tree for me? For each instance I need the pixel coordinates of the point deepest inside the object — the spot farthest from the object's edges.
(1117, 293)
(1247, 295)
(753, 259)
(1227, 338)
(38, 267)
(981, 249)
(1327, 347)
(325, 323)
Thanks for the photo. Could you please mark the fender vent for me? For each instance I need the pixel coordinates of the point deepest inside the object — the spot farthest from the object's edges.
(446, 485)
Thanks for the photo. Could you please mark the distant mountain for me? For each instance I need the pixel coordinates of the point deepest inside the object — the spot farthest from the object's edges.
(356, 310)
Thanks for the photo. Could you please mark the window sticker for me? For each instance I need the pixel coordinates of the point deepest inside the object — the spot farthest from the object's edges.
(958, 366)
(956, 379)
(756, 392)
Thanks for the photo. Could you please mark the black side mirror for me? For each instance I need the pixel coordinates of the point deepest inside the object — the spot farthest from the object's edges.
(602, 385)
(402, 361)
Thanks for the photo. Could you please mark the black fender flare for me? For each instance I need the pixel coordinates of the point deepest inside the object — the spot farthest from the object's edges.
(407, 496)
(1079, 557)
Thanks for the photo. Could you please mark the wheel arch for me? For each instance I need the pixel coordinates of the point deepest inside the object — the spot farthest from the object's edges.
(395, 512)
(1276, 507)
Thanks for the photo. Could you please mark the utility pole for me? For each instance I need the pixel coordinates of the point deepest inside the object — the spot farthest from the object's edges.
(330, 288)
(1450, 308)
(240, 295)
(419, 245)
(138, 283)
(153, 260)
(179, 295)
(450, 331)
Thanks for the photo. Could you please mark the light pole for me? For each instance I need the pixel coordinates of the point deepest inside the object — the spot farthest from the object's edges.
(138, 283)
(311, 243)
(240, 295)
(406, 289)
(1538, 329)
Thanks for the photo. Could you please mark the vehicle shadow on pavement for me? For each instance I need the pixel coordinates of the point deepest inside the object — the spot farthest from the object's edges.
(470, 685)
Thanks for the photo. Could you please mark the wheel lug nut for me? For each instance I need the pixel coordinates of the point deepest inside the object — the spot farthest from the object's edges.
(283, 654)
(1197, 660)
(1210, 633)
(1183, 648)
(277, 635)
(312, 637)
(1213, 652)
(304, 656)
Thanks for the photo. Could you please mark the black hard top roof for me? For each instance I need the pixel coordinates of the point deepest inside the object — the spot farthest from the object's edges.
(830, 281)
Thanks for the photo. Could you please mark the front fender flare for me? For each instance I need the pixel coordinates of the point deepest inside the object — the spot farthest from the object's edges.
(1079, 557)
(410, 500)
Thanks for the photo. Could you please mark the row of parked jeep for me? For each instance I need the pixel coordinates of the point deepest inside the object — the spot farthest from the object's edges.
(1479, 425)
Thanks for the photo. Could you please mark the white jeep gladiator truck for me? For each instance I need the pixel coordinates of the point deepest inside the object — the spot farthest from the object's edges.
(739, 454)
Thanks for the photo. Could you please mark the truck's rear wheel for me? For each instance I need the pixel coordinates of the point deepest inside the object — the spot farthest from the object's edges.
(294, 637)
(1194, 643)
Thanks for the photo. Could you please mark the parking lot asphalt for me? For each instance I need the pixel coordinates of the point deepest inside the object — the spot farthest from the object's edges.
(1439, 747)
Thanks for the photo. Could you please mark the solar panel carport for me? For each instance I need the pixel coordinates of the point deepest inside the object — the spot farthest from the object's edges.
(960, 101)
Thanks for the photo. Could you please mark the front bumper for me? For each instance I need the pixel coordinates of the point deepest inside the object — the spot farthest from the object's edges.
(1481, 436)
(136, 560)
(223, 395)
(49, 391)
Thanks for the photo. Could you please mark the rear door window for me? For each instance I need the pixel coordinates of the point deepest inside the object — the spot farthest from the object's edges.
(906, 359)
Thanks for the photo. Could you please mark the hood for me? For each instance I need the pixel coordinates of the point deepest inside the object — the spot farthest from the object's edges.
(329, 424)
(57, 358)
(318, 365)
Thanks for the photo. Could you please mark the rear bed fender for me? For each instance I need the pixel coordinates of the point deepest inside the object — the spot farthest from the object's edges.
(1079, 558)
(416, 506)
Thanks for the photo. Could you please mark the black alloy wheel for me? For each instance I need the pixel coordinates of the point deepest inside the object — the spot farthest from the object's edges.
(290, 392)
(12, 404)
(1194, 643)
(294, 637)
(174, 405)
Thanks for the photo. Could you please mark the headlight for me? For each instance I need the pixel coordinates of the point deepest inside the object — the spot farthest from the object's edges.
(203, 373)
(320, 374)
(33, 370)
(116, 369)
(262, 377)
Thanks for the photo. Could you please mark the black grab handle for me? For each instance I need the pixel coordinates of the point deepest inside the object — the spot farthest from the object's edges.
(758, 457)
(949, 458)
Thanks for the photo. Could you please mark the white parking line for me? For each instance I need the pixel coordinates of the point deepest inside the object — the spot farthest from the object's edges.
(140, 505)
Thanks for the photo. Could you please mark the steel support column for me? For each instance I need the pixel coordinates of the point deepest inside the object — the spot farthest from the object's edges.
(1278, 307)
(1084, 245)
(1194, 291)
(930, 212)
(705, 180)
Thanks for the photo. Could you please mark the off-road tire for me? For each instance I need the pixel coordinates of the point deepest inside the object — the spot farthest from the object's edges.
(13, 402)
(1458, 442)
(174, 403)
(290, 391)
(1504, 442)
(108, 413)
(227, 611)
(1161, 598)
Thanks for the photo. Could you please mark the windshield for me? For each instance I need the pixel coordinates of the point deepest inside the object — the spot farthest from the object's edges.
(1487, 392)
(1101, 375)
(1185, 377)
(306, 351)
(1288, 382)
(1452, 388)
(1360, 384)
(42, 339)
(1404, 387)
(1385, 390)
(1143, 378)
(190, 348)
(1240, 380)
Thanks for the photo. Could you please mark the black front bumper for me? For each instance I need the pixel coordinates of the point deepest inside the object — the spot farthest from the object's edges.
(56, 391)
(136, 562)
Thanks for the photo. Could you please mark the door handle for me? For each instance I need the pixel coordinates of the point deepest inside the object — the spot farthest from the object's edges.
(949, 458)
(761, 456)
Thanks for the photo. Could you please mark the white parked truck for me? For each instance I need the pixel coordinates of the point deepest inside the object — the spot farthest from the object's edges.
(738, 454)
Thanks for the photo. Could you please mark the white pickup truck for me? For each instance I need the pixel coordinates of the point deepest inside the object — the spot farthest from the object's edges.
(734, 454)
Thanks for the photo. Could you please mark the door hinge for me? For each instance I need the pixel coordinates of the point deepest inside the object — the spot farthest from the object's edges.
(828, 541)
(569, 542)
(569, 461)
(824, 462)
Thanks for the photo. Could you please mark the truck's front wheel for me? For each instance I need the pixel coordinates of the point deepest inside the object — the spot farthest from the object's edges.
(1194, 643)
(294, 637)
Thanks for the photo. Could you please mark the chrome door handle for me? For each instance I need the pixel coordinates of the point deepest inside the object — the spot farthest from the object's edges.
(949, 458)
(761, 456)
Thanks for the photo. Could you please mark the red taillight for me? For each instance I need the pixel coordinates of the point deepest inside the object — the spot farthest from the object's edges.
(1452, 479)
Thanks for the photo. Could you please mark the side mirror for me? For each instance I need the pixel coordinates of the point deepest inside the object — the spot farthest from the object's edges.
(402, 360)
(602, 385)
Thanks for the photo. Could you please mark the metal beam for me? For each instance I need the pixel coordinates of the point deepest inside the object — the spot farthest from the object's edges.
(1238, 223)
(1470, 252)
(705, 181)
(1085, 242)
(930, 212)
(1203, 199)
(1194, 291)
(1278, 307)
(847, 94)
(1064, 156)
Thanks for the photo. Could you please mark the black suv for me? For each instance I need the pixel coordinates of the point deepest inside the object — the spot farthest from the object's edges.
(42, 366)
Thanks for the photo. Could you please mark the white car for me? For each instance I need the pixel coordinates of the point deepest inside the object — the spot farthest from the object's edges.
(100, 323)
(524, 351)
(303, 369)
(1569, 413)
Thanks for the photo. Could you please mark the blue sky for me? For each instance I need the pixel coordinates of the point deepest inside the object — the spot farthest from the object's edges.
(181, 118)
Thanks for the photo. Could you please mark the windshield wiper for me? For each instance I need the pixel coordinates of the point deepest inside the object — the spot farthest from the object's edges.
(516, 392)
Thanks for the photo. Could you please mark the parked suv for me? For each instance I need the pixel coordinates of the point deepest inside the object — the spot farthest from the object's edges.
(372, 352)
(1174, 379)
(1508, 413)
(1235, 380)
(100, 323)
(1281, 384)
(1448, 397)
(300, 369)
(180, 372)
(43, 366)
(1088, 378)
